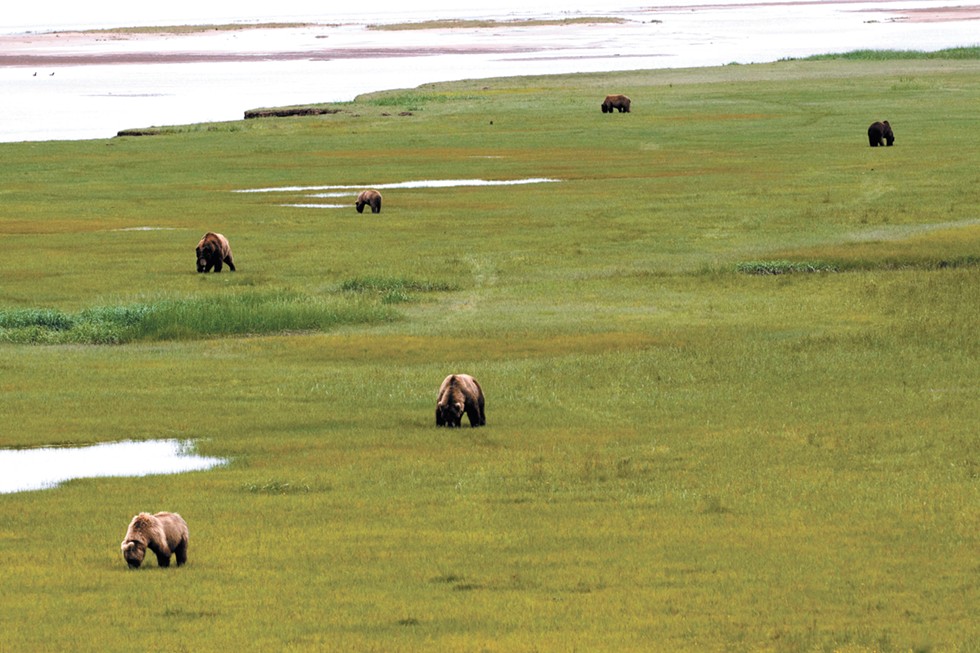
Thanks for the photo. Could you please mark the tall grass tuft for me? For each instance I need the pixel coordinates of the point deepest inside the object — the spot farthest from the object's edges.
(972, 52)
(188, 319)
(843, 265)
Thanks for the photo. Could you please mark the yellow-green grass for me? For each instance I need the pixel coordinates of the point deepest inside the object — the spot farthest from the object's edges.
(679, 455)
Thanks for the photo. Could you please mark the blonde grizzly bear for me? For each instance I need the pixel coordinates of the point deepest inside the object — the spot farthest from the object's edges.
(370, 198)
(212, 251)
(460, 393)
(164, 533)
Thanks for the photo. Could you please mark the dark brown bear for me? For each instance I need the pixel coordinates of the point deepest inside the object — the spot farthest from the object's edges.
(164, 533)
(613, 102)
(460, 393)
(371, 198)
(212, 251)
(879, 133)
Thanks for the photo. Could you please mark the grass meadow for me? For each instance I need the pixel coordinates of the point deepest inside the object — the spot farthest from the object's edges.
(731, 364)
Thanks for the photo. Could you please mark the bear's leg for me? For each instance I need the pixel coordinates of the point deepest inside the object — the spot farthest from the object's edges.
(360, 207)
(483, 413)
(231, 264)
(163, 559)
(377, 207)
(439, 421)
(217, 265)
(181, 553)
(474, 414)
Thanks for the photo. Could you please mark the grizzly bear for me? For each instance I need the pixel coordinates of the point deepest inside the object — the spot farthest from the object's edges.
(879, 133)
(164, 533)
(460, 393)
(612, 102)
(212, 251)
(370, 197)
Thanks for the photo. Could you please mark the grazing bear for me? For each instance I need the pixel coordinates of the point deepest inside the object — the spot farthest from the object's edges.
(164, 533)
(879, 133)
(212, 251)
(370, 197)
(612, 102)
(460, 393)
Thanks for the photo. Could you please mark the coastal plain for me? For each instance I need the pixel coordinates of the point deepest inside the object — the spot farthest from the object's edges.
(729, 354)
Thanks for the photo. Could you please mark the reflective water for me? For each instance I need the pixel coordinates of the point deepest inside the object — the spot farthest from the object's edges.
(37, 469)
(421, 183)
(337, 191)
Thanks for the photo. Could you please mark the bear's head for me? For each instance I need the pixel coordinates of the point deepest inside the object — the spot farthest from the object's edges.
(205, 253)
(888, 134)
(133, 551)
(451, 413)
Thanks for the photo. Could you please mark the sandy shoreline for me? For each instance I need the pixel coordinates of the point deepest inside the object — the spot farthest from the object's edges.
(189, 57)
(941, 14)
(116, 48)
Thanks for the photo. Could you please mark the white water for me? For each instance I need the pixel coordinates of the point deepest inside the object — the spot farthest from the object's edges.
(335, 191)
(342, 58)
(37, 469)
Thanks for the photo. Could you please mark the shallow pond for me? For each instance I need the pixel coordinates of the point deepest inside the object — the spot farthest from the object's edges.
(37, 469)
(337, 191)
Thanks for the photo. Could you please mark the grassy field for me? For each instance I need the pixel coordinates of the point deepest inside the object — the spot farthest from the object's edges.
(731, 364)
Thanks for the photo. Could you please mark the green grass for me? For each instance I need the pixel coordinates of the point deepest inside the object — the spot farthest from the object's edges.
(731, 365)
(972, 52)
(181, 319)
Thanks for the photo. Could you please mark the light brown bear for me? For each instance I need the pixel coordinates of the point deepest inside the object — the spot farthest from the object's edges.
(212, 251)
(370, 198)
(164, 533)
(613, 102)
(460, 393)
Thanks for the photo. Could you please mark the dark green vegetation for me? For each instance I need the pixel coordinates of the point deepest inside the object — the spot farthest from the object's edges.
(900, 55)
(685, 450)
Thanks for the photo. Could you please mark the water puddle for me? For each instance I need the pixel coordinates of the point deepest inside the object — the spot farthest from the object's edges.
(324, 192)
(423, 183)
(22, 470)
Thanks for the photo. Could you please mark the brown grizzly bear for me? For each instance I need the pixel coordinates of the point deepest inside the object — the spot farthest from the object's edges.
(212, 251)
(164, 533)
(460, 393)
(371, 198)
(879, 133)
(613, 102)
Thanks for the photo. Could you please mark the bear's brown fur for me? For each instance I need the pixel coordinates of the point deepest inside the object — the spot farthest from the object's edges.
(164, 533)
(460, 393)
(613, 102)
(370, 198)
(212, 251)
(880, 133)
